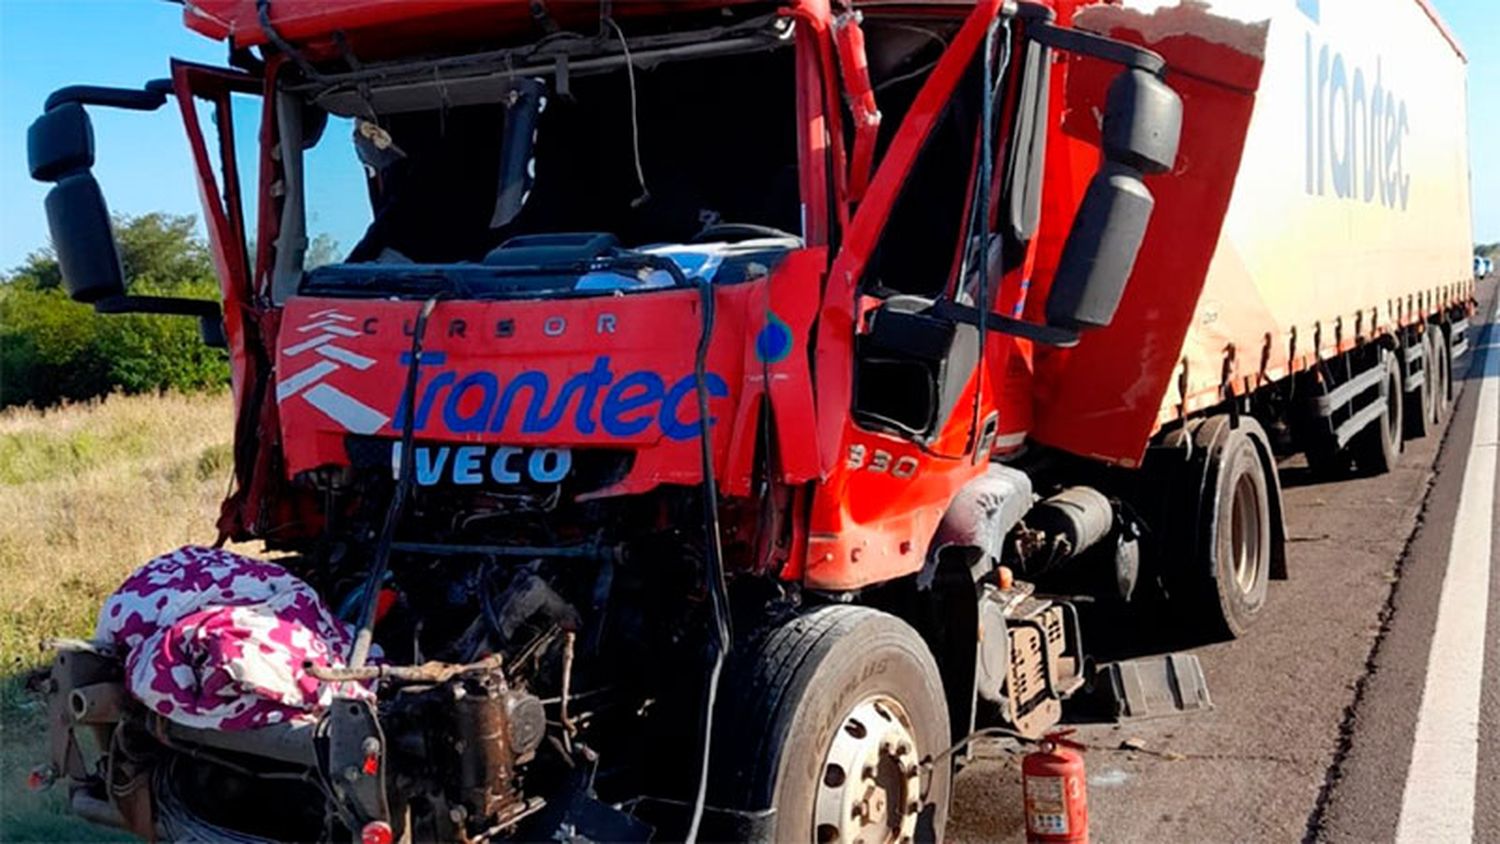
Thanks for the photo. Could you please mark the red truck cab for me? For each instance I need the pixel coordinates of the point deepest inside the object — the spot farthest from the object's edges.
(662, 403)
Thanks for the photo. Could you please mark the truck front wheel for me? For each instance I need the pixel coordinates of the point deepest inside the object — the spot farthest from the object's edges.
(835, 721)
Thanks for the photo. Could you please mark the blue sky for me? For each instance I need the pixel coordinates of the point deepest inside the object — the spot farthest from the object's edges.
(143, 158)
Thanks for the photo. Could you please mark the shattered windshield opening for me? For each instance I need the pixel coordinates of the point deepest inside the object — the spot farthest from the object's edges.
(695, 151)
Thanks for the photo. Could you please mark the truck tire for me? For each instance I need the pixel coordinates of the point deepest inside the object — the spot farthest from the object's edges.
(1418, 411)
(1442, 360)
(1234, 538)
(1377, 448)
(830, 721)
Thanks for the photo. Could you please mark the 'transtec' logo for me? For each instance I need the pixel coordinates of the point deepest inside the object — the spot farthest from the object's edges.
(621, 404)
(1356, 125)
(327, 327)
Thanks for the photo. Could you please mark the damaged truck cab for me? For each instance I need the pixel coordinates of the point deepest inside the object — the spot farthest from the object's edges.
(678, 452)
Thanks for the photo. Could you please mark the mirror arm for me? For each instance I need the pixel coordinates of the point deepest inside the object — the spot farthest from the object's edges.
(1063, 338)
(210, 318)
(149, 98)
(1041, 30)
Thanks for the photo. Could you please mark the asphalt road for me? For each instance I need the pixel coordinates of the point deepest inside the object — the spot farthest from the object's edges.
(1315, 734)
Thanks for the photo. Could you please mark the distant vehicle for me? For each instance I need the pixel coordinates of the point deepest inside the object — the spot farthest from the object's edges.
(1483, 267)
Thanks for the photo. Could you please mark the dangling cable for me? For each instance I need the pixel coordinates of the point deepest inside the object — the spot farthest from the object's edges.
(992, 83)
(718, 589)
(360, 650)
(635, 117)
(263, 13)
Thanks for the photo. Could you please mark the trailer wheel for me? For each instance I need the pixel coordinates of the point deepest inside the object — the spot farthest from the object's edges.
(1236, 536)
(1418, 412)
(1377, 448)
(1442, 359)
(838, 710)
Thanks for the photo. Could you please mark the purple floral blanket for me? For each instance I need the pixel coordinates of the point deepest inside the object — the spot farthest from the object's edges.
(218, 641)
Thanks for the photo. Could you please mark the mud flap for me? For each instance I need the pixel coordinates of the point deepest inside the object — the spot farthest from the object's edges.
(1150, 687)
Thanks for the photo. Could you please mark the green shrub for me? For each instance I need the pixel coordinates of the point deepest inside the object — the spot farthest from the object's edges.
(53, 349)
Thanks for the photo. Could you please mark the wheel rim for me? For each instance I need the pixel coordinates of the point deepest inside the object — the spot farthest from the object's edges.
(869, 790)
(1245, 533)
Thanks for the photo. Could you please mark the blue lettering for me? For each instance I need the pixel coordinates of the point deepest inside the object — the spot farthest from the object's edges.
(561, 460)
(539, 385)
(593, 381)
(1355, 134)
(466, 462)
(474, 402)
(1360, 124)
(618, 403)
(539, 422)
(430, 464)
(500, 465)
(427, 359)
(1341, 131)
(455, 419)
(671, 418)
(1405, 177)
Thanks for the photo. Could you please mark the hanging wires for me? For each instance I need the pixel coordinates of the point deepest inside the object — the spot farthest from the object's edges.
(635, 116)
(714, 558)
(993, 83)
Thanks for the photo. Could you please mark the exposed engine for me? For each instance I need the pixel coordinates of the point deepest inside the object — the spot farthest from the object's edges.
(537, 674)
(531, 644)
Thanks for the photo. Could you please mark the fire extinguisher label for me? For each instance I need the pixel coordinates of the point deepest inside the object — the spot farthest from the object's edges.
(1046, 808)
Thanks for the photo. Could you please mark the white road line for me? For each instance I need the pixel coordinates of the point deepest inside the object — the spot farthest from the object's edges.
(1438, 803)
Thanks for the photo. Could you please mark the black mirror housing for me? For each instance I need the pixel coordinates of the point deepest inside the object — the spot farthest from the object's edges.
(1140, 135)
(1101, 249)
(60, 142)
(60, 149)
(85, 242)
(1142, 122)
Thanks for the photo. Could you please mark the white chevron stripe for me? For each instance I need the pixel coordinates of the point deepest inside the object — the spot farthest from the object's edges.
(293, 384)
(309, 344)
(356, 416)
(343, 355)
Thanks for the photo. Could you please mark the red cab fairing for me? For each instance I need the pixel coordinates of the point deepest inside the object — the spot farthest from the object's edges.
(606, 371)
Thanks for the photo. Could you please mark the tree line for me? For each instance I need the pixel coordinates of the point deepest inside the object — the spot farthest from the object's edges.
(53, 349)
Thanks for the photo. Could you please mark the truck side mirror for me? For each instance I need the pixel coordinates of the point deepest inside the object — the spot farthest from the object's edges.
(1142, 122)
(84, 240)
(60, 142)
(60, 149)
(1141, 131)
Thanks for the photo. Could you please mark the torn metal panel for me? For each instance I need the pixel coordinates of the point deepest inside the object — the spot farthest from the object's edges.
(1221, 41)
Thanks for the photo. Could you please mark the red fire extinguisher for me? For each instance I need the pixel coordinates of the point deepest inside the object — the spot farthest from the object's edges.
(1056, 792)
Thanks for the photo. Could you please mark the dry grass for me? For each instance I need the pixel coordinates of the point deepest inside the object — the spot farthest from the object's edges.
(87, 493)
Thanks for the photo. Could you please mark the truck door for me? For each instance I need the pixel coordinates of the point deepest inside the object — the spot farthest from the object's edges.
(895, 380)
(231, 164)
